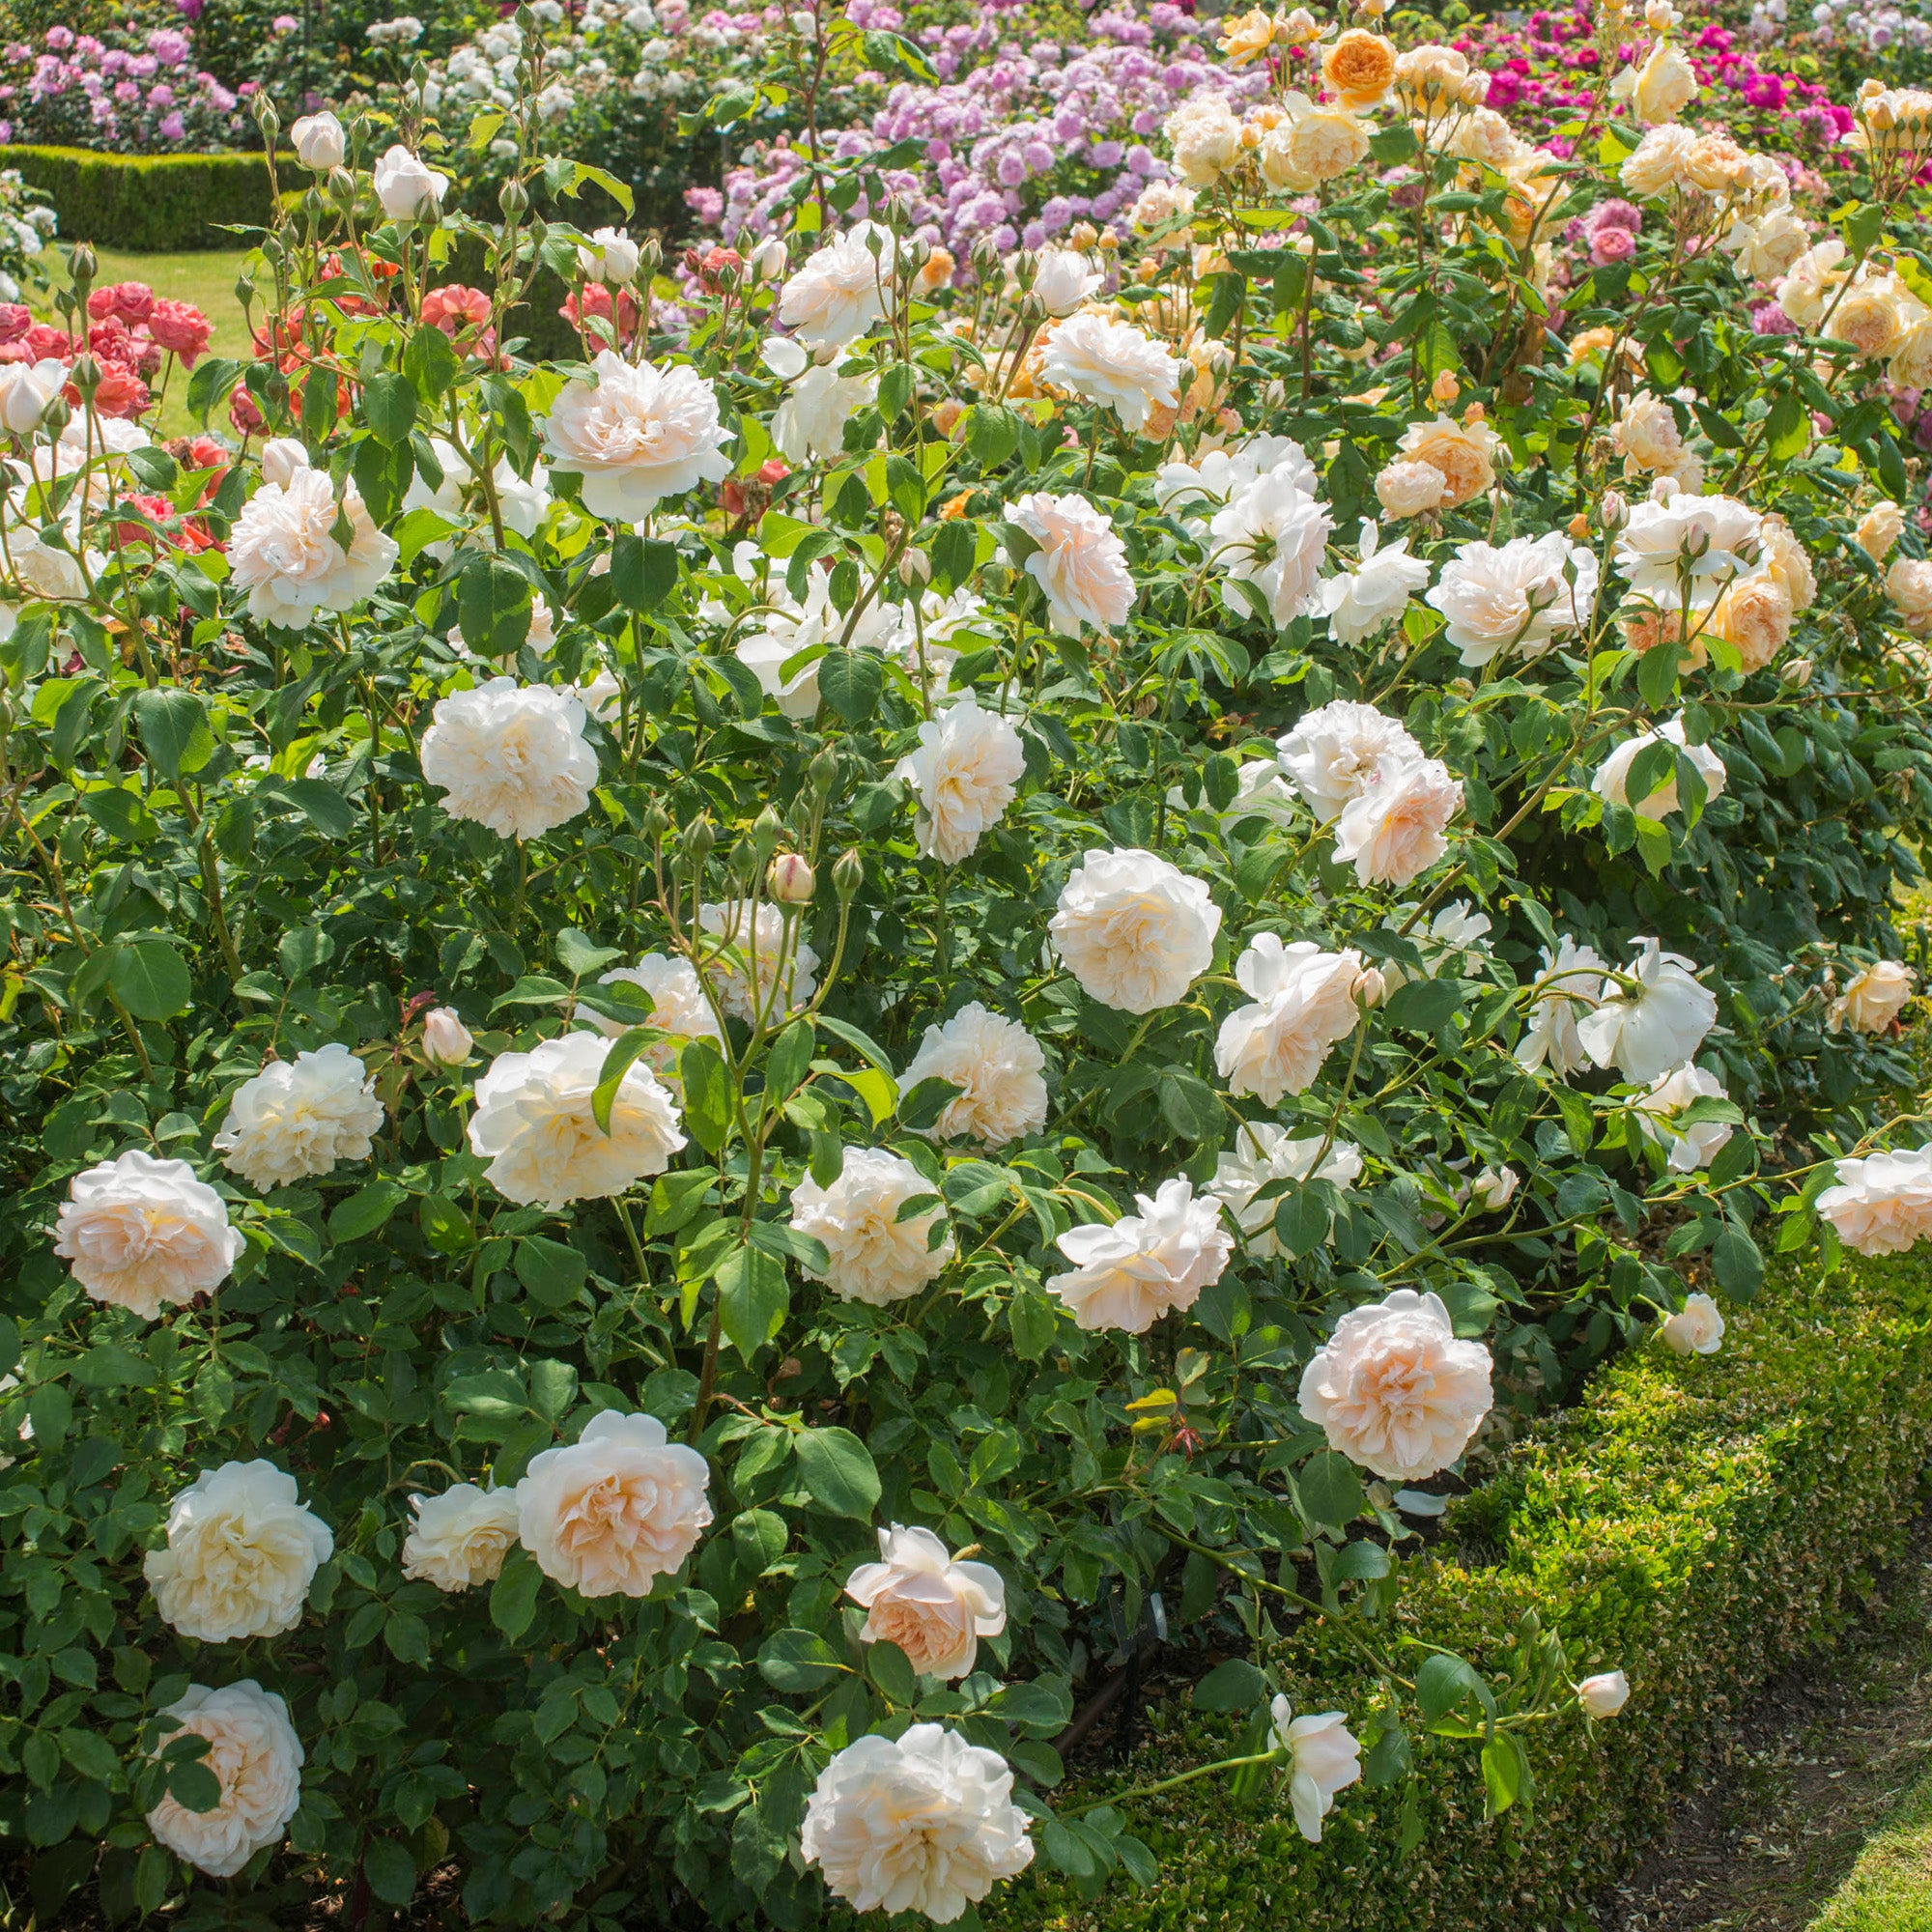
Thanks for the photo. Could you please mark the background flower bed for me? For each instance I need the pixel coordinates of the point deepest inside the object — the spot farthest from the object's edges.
(1707, 1521)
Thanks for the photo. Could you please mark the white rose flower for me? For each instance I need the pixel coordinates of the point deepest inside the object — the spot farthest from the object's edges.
(1062, 280)
(1571, 979)
(1696, 1328)
(457, 1540)
(924, 1823)
(1394, 830)
(26, 388)
(935, 1607)
(1666, 84)
(1494, 1188)
(612, 256)
(1694, 543)
(1333, 753)
(966, 772)
(1217, 475)
(1450, 942)
(406, 188)
(511, 756)
(610, 1512)
(1606, 1694)
(1114, 365)
(1657, 1024)
(1303, 1003)
(679, 1007)
(1272, 535)
(1135, 931)
(142, 1234)
(1206, 138)
(1658, 1106)
(535, 1125)
(318, 142)
(1128, 1275)
(842, 290)
(756, 949)
(812, 419)
(283, 459)
(997, 1066)
(1261, 791)
(1872, 1001)
(636, 436)
(300, 1118)
(1612, 779)
(240, 1554)
(1264, 1154)
(1322, 1758)
(257, 1759)
(1515, 596)
(283, 550)
(1395, 1390)
(1881, 1204)
(1077, 560)
(784, 629)
(871, 1256)
(1363, 601)
(447, 1040)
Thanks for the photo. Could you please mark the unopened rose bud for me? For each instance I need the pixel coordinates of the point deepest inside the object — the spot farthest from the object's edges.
(766, 831)
(914, 567)
(1796, 674)
(514, 199)
(81, 265)
(656, 823)
(650, 257)
(56, 416)
(1612, 512)
(848, 874)
(823, 772)
(86, 374)
(447, 1040)
(699, 840)
(1606, 1694)
(790, 880)
(1371, 988)
(768, 260)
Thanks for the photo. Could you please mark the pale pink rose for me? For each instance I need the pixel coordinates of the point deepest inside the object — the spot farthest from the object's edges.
(1883, 1201)
(1077, 560)
(1394, 831)
(1128, 1275)
(935, 1607)
(1606, 1694)
(1303, 1002)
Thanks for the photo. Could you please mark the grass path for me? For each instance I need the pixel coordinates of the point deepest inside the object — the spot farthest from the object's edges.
(1889, 1888)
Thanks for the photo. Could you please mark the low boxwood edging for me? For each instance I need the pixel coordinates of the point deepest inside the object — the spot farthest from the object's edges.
(1701, 1523)
(147, 203)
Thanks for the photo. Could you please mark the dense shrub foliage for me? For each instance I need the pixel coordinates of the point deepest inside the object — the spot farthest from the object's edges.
(719, 1053)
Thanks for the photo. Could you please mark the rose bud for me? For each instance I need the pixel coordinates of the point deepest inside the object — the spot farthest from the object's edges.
(790, 880)
(1604, 1695)
(445, 1038)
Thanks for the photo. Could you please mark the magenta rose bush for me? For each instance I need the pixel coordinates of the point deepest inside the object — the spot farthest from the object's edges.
(724, 1056)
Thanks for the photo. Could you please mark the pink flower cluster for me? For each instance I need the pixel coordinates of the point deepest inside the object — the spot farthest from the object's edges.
(143, 98)
(130, 332)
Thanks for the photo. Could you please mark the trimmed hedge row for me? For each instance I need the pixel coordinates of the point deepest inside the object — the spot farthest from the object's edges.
(1699, 1523)
(147, 203)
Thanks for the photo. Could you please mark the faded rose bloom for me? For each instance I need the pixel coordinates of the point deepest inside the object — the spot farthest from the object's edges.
(935, 1607)
(757, 963)
(679, 1007)
(1114, 365)
(1909, 586)
(1076, 559)
(1409, 488)
(1657, 1107)
(872, 1254)
(284, 550)
(1264, 1155)
(1367, 598)
(842, 290)
(1612, 779)
(511, 756)
(1656, 1023)
(143, 1234)
(1872, 1001)
(639, 434)
(1333, 753)
(1515, 597)
(1880, 529)
(1393, 831)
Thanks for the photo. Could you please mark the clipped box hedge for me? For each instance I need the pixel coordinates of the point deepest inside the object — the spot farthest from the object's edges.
(147, 204)
(1700, 1522)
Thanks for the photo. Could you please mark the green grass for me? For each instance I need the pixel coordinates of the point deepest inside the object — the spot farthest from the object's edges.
(206, 280)
(1889, 1890)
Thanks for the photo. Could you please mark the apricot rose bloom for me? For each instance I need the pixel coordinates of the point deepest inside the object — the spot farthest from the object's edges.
(143, 1234)
(1360, 67)
(609, 1513)
(934, 1606)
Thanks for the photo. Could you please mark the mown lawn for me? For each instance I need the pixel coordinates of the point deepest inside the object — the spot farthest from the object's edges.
(1889, 1890)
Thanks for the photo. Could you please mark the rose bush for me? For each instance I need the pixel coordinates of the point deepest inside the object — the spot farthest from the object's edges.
(706, 1088)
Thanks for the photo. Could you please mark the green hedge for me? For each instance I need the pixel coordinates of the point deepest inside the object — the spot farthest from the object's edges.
(1699, 1523)
(148, 204)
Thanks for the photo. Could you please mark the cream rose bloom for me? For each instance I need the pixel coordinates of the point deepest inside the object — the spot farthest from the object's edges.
(923, 1823)
(842, 290)
(457, 1540)
(1360, 602)
(1873, 1000)
(1754, 614)
(1662, 88)
(1657, 1107)
(510, 757)
(1395, 1391)
(966, 772)
(300, 1118)
(406, 187)
(872, 1254)
(1264, 1155)
(1909, 586)
(1605, 1695)
(1409, 488)
(1879, 529)
(284, 552)
(1302, 1003)
(1135, 931)
(1875, 314)
(935, 1607)
(534, 1123)
(614, 1511)
(1128, 1275)
(1515, 596)
(1272, 537)
(1324, 1758)
(240, 1554)
(1112, 364)
(1696, 1328)
(1882, 1203)
(1647, 437)
(256, 1758)
(1660, 161)
(1766, 248)
(679, 1007)
(812, 419)
(1360, 68)
(1694, 545)
(1311, 144)
(636, 436)
(1612, 779)
(1808, 287)
(1394, 830)
(1571, 979)
(1062, 280)
(143, 1234)
(1787, 563)
(1432, 75)
(1332, 755)
(756, 963)
(1657, 1023)
(1077, 560)
(1206, 138)
(1462, 454)
(998, 1068)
